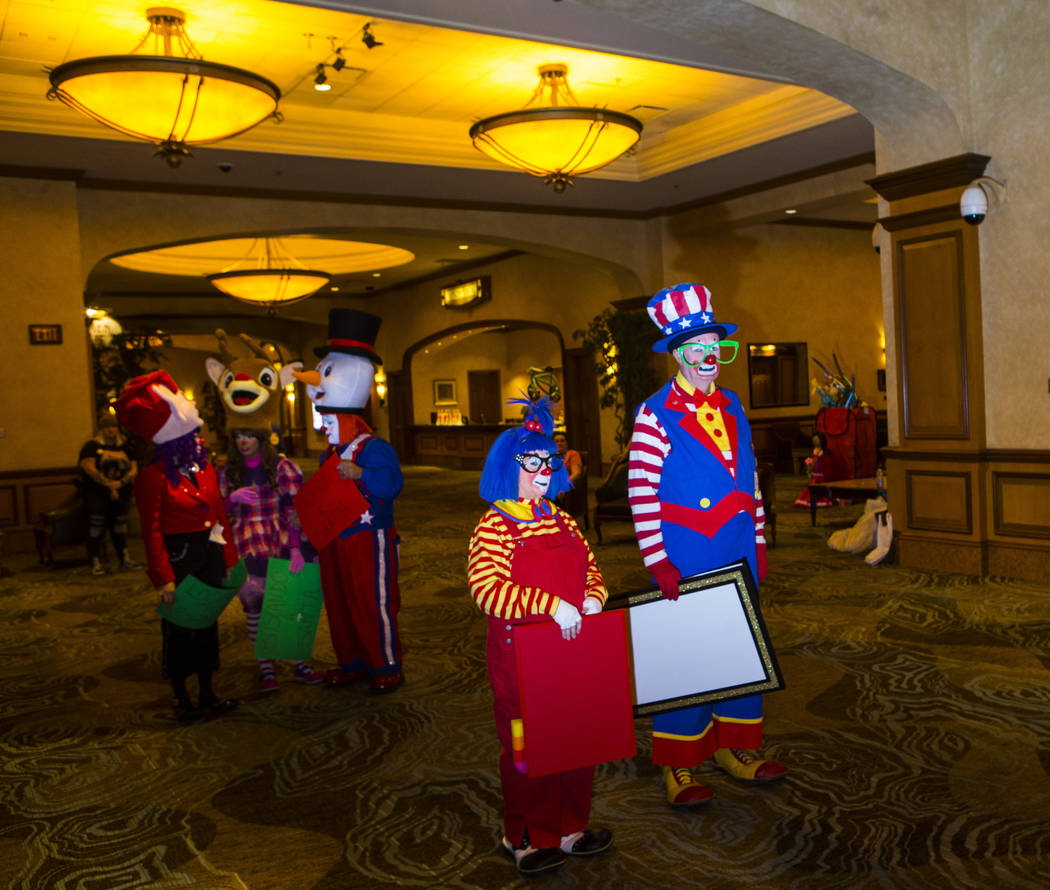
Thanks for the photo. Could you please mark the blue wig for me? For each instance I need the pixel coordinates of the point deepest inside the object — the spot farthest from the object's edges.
(499, 478)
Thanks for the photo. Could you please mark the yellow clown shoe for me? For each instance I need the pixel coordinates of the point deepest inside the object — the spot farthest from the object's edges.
(746, 767)
(682, 789)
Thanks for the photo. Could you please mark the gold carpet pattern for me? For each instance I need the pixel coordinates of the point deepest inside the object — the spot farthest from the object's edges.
(915, 722)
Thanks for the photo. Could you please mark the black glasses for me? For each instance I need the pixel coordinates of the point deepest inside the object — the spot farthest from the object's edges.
(533, 463)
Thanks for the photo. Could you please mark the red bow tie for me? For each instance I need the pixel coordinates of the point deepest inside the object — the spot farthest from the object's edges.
(714, 400)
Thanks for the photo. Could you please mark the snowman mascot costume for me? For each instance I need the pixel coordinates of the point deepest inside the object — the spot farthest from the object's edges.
(359, 566)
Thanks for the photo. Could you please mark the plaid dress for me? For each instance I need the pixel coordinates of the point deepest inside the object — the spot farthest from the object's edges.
(269, 527)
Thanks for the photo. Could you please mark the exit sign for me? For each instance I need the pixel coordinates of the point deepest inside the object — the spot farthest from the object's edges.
(45, 335)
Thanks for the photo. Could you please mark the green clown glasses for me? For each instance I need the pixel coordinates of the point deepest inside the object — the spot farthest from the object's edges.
(695, 354)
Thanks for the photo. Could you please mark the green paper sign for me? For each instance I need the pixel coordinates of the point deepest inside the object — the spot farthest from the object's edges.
(238, 575)
(198, 605)
(290, 613)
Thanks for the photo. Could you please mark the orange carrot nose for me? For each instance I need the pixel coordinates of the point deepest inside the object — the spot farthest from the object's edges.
(311, 378)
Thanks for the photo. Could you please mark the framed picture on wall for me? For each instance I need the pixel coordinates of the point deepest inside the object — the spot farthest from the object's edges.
(445, 392)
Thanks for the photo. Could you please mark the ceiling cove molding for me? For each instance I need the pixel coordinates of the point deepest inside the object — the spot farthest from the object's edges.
(781, 112)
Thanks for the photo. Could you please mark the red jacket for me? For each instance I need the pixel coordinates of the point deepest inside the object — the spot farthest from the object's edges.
(168, 509)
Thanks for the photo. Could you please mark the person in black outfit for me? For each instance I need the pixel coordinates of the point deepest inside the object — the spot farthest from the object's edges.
(107, 469)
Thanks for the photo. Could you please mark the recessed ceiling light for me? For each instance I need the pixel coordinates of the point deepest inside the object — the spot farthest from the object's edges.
(464, 247)
(376, 274)
(335, 287)
(791, 212)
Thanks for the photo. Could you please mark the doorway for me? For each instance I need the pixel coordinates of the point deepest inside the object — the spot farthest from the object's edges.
(484, 401)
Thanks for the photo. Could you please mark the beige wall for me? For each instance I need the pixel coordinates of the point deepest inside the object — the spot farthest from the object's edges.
(1010, 67)
(782, 283)
(46, 410)
(776, 282)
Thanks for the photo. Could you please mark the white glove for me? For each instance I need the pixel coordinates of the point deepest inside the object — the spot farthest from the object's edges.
(591, 606)
(569, 620)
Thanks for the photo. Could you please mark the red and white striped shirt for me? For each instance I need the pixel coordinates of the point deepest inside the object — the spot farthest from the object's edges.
(650, 447)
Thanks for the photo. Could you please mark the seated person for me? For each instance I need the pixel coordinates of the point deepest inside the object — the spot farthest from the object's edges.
(815, 471)
(573, 462)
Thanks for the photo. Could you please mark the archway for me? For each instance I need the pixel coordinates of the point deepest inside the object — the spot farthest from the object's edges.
(467, 444)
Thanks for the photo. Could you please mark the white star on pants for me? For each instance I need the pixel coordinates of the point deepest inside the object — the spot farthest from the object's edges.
(366, 518)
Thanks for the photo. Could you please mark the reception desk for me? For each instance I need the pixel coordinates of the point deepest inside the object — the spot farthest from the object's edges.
(456, 447)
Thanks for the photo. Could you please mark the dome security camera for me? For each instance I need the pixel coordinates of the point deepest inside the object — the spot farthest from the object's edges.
(974, 205)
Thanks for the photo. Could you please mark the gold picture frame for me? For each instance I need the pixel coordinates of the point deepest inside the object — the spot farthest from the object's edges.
(445, 392)
(701, 649)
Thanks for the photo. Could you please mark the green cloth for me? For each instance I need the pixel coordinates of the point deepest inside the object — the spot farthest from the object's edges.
(290, 613)
(198, 605)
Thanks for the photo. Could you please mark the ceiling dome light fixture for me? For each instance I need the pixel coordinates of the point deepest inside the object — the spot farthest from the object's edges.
(171, 100)
(559, 141)
(273, 277)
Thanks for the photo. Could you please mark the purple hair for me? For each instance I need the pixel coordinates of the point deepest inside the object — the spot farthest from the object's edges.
(182, 453)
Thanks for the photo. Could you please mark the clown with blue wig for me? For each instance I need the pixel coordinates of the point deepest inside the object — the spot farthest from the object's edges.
(527, 558)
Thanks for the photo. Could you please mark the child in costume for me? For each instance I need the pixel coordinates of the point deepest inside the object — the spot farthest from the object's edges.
(527, 558)
(359, 566)
(257, 483)
(183, 519)
(815, 471)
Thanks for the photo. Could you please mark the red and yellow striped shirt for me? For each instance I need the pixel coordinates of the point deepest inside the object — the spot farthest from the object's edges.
(488, 568)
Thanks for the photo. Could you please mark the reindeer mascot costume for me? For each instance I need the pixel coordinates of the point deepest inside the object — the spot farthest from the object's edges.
(257, 483)
(359, 567)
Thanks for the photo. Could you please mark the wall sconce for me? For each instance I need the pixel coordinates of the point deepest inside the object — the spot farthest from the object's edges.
(380, 380)
(466, 293)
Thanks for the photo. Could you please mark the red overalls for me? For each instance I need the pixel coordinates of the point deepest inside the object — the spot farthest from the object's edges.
(553, 806)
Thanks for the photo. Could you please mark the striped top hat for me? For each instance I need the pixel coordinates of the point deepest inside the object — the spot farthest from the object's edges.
(683, 311)
(352, 332)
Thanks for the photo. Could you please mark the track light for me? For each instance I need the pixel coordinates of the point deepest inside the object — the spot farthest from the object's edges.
(368, 38)
(339, 62)
(321, 83)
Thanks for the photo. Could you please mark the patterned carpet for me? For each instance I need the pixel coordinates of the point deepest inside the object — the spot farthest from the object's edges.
(916, 722)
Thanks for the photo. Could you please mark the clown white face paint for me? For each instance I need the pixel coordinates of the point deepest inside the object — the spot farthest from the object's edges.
(703, 375)
(330, 425)
(533, 486)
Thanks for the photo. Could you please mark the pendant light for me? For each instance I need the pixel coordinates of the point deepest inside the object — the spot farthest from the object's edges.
(557, 141)
(173, 98)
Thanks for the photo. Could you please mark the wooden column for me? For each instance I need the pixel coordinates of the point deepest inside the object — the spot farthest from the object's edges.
(957, 505)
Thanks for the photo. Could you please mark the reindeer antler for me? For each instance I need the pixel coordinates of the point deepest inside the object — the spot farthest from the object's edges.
(224, 349)
(257, 347)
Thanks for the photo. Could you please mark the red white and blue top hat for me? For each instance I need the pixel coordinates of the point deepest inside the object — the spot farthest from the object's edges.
(683, 311)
